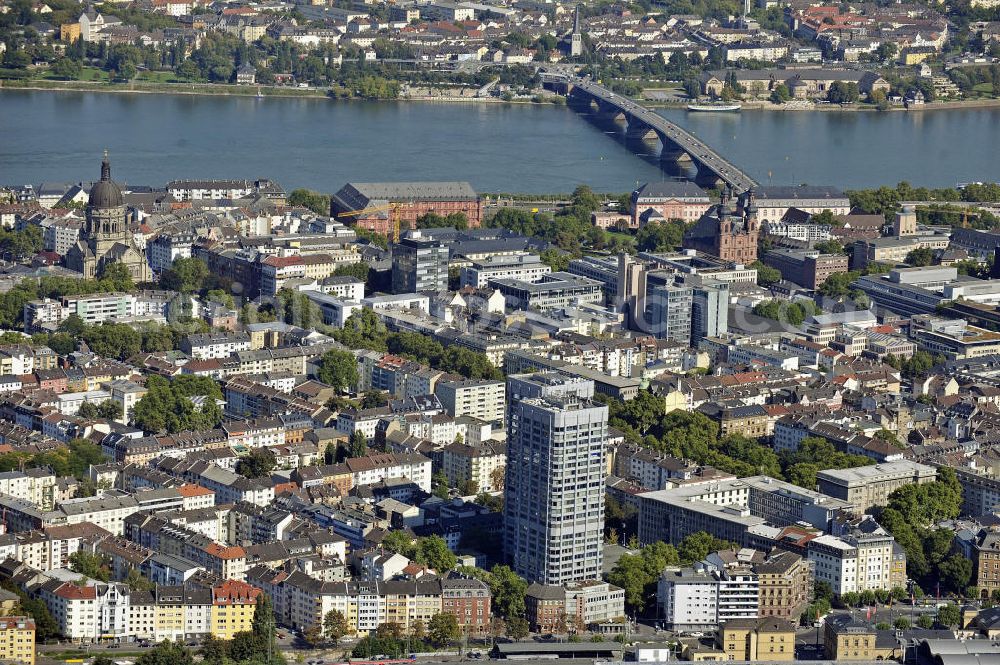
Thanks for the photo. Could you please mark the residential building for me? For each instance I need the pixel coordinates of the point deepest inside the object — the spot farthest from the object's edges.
(869, 486)
(704, 598)
(579, 605)
(765, 639)
(166, 248)
(233, 606)
(17, 639)
(859, 556)
(479, 398)
(554, 490)
(482, 464)
(786, 585)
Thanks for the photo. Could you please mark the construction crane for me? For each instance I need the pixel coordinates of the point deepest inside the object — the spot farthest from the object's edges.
(394, 215)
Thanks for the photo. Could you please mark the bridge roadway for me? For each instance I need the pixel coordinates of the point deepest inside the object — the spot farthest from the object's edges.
(642, 123)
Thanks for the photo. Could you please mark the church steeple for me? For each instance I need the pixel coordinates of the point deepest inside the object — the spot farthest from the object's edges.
(105, 193)
(575, 37)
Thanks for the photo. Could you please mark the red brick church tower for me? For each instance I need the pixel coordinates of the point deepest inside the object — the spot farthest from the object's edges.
(728, 233)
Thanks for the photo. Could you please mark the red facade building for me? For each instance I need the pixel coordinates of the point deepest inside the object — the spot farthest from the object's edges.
(376, 206)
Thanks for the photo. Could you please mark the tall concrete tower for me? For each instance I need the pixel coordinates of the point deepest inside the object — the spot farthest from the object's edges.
(554, 493)
(631, 289)
(576, 38)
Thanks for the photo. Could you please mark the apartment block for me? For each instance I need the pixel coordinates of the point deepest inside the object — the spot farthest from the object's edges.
(479, 398)
(870, 486)
(703, 598)
(554, 492)
(17, 640)
(581, 605)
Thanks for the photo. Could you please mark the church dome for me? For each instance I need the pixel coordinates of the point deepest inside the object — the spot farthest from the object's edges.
(105, 193)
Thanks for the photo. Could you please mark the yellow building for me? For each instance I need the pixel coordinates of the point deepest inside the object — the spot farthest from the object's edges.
(697, 652)
(758, 639)
(845, 638)
(233, 607)
(17, 640)
(69, 32)
(675, 400)
(170, 616)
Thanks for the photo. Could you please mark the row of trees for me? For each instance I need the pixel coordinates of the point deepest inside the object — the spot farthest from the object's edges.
(694, 436)
(793, 313)
(391, 640)
(364, 330)
(570, 229)
(886, 200)
(916, 366)
(73, 459)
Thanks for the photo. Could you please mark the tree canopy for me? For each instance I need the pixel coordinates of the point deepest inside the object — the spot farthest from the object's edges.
(339, 369)
(910, 516)
(168, 407)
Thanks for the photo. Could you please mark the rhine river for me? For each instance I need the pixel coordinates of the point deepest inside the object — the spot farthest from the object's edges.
(321, 144)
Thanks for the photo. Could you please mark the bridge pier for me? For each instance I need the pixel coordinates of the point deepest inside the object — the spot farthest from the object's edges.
(578, 102)
(558, 86)
(675, 162)
(672, 152)
(706, 177)
(609, 112)
(639, 131)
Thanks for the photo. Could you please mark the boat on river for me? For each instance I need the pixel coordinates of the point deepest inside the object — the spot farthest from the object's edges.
(714, 108)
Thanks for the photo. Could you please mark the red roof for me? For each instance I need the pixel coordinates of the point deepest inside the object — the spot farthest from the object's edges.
(191, 489)
(74, 592)
(223, 552)
(234, 592)
(12, 623)
(285, 487)
(283, 261)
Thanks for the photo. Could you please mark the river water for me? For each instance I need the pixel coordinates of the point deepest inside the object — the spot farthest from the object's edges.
(321, 144)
